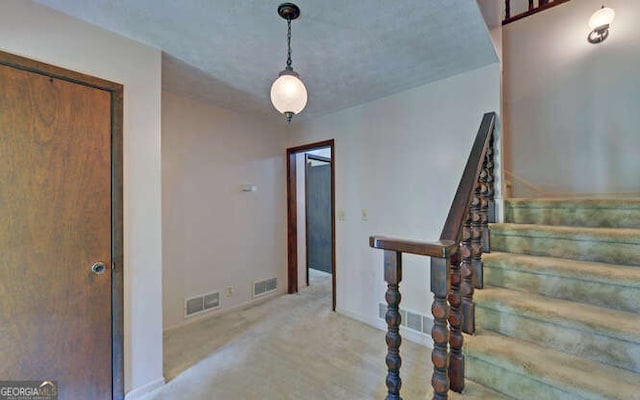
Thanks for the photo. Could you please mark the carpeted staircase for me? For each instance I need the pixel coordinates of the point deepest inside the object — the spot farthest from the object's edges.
(559, 317)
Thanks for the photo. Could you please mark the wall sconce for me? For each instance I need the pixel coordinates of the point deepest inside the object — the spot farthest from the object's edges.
(599, 24)
(288, 93)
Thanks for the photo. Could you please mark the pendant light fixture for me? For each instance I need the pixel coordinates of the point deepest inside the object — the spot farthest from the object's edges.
(288, 93)
(599, 24)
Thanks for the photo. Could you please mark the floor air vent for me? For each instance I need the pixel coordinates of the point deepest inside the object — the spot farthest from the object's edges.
(199, 304)
(263, 288)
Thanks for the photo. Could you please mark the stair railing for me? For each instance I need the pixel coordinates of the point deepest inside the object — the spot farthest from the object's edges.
(533, 9)
(456, 269)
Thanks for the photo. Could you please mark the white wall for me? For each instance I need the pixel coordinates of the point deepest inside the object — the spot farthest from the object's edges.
(216, 235)
(39, 33)
(570, 106)
(399, 158)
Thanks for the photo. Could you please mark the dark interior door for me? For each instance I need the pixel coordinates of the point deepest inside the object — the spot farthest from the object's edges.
(318, 207)
(55, 208)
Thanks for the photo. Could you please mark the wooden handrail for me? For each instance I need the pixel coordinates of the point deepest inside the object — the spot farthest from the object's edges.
(456, 269)
(441, 249)
(459, 210)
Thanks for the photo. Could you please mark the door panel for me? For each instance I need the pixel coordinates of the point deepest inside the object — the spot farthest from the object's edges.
(55, 208)
(319, 238)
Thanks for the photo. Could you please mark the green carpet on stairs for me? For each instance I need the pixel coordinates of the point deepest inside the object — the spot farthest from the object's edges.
(559, 317)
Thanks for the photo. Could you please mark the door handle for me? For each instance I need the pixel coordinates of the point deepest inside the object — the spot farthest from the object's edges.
(98, 268)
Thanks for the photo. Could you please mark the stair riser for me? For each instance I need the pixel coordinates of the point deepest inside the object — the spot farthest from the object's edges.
(587, 217)
(597, 293)
(516, 385)
(585, 250)
(583, 343)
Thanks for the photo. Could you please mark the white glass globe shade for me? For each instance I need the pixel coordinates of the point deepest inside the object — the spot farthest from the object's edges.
(602, 17)
(288, 94)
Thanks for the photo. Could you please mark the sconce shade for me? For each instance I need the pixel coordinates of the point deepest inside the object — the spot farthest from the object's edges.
(599, 24)
(601, 18)
(288, 93)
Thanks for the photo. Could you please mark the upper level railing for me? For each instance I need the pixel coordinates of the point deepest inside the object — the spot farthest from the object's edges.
(533, 8)
(456, 269)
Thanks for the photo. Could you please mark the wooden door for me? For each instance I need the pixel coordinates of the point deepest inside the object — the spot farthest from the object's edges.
(56, 214)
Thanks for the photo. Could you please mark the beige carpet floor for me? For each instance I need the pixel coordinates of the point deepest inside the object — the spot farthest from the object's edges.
(290, 347)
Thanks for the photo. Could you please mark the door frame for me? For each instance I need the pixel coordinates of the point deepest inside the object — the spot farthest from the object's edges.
(117, 224)
(292, 215)
(308, 157)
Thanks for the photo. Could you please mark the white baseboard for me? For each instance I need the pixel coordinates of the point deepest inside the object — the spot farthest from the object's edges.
(144, 389)
(408, 334)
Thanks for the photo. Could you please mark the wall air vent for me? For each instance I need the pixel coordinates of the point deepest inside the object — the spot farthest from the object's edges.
(265, 287)
(202, 303)
(414, 321)
(193, 305)
(211, 300)
(410, 320)
(427, 325)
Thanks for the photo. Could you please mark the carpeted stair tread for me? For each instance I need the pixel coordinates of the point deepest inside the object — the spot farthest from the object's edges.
(578, 233)
(606, 322)
(475, 391)
(576, 202)
(604, 285)
(620, 213)
(539, 373)
(609, 245)
(618, 275)
(613, 274)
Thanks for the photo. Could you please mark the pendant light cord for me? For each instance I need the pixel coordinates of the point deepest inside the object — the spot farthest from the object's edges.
(289, 67)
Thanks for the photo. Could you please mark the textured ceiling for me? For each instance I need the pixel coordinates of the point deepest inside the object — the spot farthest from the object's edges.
(228, 52)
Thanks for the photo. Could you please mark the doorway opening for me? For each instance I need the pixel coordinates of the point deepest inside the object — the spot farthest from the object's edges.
(311, 214)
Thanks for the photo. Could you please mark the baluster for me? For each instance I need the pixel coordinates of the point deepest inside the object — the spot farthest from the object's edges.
(393, 276)
(507, 9)
(484, 204)
(456, 358)
(530, 5)
(542, 3)
(491, 183)
(440, 286)
(468, 309)
(476, 236)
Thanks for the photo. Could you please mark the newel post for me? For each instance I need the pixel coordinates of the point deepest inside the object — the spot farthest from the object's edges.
(393, 276)
(440, 286)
